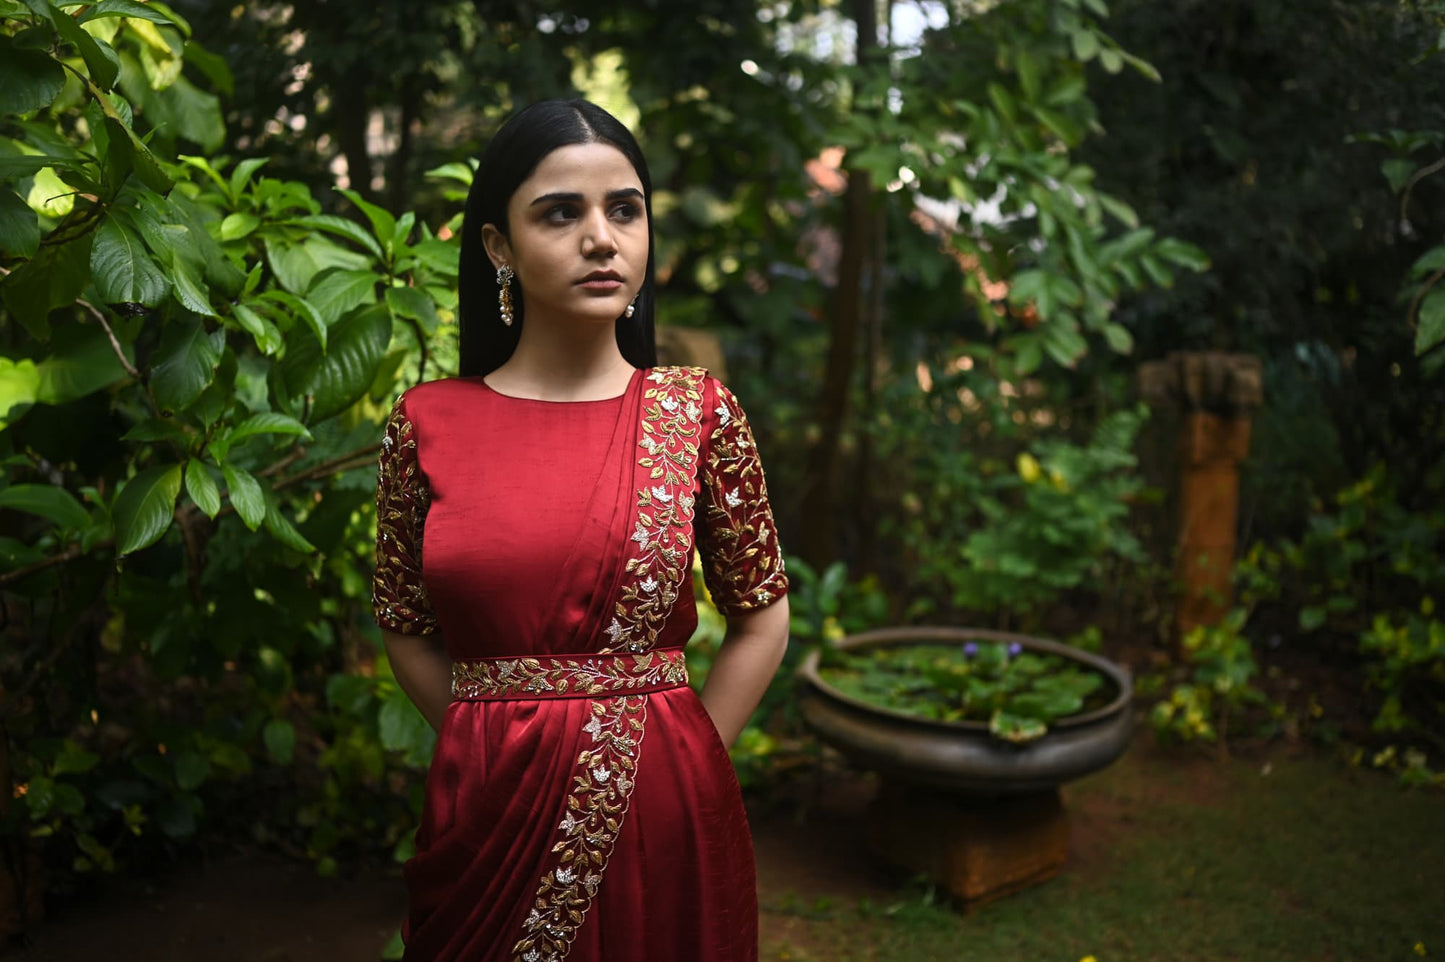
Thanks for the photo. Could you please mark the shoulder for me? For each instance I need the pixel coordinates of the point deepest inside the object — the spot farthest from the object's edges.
(438, 398)
(719, 406)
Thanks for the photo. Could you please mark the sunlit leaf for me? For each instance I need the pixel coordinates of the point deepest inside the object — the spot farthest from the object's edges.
(144, 507)
(123, 269)
(202, 488)
(245, 494)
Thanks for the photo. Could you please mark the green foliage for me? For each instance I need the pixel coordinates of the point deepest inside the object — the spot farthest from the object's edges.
(821, 608)
(1426, 294)
(1243, 147)
(1222, 672)
(1008, 526)
(1018, 693)
(196, 361)
(1369, 570)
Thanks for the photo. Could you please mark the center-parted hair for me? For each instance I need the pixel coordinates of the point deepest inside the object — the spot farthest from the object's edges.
(513, 154)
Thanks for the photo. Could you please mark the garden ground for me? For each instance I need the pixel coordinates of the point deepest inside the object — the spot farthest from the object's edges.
(1277, 855)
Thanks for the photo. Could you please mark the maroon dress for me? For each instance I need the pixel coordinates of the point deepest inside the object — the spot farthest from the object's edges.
(580, 804)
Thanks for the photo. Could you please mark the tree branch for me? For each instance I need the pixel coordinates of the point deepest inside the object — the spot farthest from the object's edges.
(1415, 178)
(110, 334)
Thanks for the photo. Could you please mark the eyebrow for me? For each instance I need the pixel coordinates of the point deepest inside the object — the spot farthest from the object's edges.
(618, 194)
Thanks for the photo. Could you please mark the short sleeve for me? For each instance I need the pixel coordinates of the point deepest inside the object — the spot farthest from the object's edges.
(742, 562)
(398, 594)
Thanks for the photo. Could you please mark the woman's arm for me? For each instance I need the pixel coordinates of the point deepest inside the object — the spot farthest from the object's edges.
(424, 670)
(750, 654)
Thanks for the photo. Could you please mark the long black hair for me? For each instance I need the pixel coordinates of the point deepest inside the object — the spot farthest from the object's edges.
(514, 152)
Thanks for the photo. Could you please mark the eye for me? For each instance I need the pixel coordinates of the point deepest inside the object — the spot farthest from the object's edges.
(560, 213)
(626, 210)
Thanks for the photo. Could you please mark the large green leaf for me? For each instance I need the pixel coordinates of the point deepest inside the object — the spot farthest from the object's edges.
(343, 228)
(268, 337)
(338, 291)
(267, 422)
(53, 278)
(184, 363)
(414, 304)
(342, 375)
(100, 58)
(188, 286)
(29, 79)
(302, 308)
(84, 364)
(1430, 329)
(123, 269)
(19, 385)
(381, 221)
(144, 507)
(202, 488)
(47, 501)
(245, 494)
(127, 154)
(19, 225)
(125, 8)
(281, 528)
(296, 264)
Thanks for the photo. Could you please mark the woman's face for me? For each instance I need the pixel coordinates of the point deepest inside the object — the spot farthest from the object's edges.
(578, 235)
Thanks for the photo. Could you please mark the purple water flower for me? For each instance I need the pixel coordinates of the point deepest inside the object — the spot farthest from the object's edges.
(970, 649)
(1014, 649)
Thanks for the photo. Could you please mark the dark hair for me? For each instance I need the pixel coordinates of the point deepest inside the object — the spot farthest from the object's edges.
(514, 152)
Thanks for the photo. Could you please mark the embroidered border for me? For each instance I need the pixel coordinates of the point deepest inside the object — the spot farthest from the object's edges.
(671, 426)
(654, 576)
(743, 564)
(596, 807)
(399, 598)
(561, 676)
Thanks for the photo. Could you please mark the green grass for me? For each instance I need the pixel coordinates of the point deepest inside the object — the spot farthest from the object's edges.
(1311, 861)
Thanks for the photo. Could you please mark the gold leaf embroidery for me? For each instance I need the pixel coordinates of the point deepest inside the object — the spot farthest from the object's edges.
(558, 676)
(742, 562)
(657, 572)
(399, 598)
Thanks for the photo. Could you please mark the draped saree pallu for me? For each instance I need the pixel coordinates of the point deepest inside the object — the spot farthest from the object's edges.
(551, 545)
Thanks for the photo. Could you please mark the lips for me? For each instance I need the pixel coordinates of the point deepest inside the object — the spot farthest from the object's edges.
(602, 280)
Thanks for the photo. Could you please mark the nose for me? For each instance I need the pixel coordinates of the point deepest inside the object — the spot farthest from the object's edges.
(597, 239)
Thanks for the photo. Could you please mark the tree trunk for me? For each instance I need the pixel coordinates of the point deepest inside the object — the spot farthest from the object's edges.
(398, 174)
(350, 116)
(819, 544)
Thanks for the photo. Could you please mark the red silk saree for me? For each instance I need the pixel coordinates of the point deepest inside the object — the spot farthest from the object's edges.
(580, 804)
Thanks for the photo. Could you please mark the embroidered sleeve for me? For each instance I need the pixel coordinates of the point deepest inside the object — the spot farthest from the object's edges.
(742, 561)
(398, 595)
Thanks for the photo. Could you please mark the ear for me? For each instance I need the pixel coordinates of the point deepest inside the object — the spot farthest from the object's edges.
(499, 249)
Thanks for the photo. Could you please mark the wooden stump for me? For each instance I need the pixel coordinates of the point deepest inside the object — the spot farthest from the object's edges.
(978, 848)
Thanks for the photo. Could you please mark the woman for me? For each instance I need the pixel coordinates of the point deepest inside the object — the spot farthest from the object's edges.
(581, 803)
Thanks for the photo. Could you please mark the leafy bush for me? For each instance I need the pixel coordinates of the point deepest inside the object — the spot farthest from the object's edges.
(193, 354)
(1008, 524)
(1221, 683)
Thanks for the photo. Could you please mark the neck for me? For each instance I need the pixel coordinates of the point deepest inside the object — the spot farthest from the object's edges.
(564, 362)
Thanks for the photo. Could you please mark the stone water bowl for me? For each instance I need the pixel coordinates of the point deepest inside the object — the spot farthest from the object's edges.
(962, 757)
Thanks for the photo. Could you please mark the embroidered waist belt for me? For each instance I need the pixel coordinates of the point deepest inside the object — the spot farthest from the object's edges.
(567, 676)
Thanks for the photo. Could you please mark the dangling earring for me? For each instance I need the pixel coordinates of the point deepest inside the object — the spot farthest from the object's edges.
(504, 293)
(631, 307)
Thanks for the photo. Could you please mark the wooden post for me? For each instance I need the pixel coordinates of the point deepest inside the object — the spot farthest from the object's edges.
(1218, 394)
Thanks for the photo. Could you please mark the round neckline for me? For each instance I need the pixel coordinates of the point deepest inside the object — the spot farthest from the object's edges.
(537, 400)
